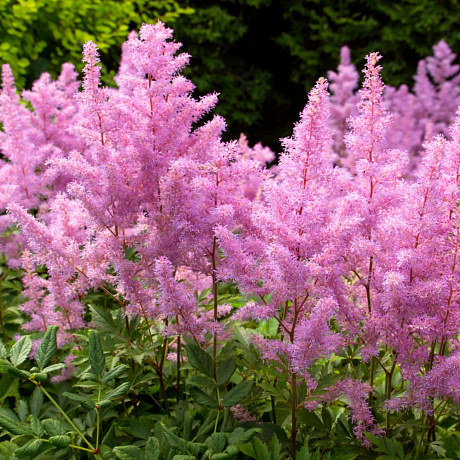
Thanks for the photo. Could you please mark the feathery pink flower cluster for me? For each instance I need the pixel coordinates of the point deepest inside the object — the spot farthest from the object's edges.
(337, 255)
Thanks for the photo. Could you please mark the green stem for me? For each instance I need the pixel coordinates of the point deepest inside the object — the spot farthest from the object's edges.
(214, 295)
(419, 446)
(371, 379)
(98, 418)
(178, 369)
(73, 446)
(58, 407)
(389, 388)
(217, 418)
(5, 337)
(293, 414)
(159, 371)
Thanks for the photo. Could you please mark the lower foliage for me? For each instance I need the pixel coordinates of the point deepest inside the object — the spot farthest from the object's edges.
(130, 398)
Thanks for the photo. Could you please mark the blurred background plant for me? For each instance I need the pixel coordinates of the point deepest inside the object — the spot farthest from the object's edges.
(262, 56)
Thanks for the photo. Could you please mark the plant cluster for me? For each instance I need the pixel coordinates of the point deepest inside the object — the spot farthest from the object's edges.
(184, 301)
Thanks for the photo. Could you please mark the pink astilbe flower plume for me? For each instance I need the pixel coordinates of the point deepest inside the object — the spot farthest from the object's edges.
(344, 100)
(281, 256)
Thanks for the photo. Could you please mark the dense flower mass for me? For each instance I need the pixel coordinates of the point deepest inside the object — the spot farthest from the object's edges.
(352, 240)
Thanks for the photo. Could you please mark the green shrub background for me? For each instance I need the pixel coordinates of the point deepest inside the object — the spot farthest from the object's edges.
(262, 56)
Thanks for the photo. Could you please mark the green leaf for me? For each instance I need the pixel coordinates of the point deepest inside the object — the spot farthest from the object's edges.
(237, 393)
(199, 359)
(9, 386)
(30, 449)
(96, 354)
(241, 436)
(3, 351)
(22, 409)
(119, 391)
(201, 381)
(327, 381)
(218, 442)
(184, 457)
(188, 422)
(310, 418)
(36, 401)
(232, 450)
(243, 336)
(221, 456)
(54, 368)
(173, 441)
(53, 427)
(152, 449)
(261, 450)
(275, 449)
(103, 319)
(202, 398)
(128, 453)
(37, 426)
(61, 441)
(13, 427)
(225, 370)
(138, 427)
(20, 350)
(304, 453)
(47, 347)
(109, 438)
(86, 403)
(114, 373)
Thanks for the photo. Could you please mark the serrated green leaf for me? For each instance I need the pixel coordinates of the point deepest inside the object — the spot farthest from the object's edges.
(128, 453)
(188, 421)
(53, 427)
(22, 409)
(152, 449)
(36, 401)
(37, 426)
(221, 456)
(261, 450)
(96, 354)
(86, 403)
(200, 359)
(114, 373)
(17, 372)
(30, 449)
(201, 381)
(61, 441)
(13, 427)
(109, 438)
(9, 386)
(3, 350)
(225, 370)
(184, 457)
(54, 368)
(243, 336)
(40, 377)
(218, 442)
(118, 392)
(196, 448)
(138, 427)
(237, 393)
(103, 319)
(276, 450)
(47, 347)
(20, 350)
(327, 381)
(173, 441)
(104, 403)
(232, 450)
(202, 398)
(310, 419)
(242, 436)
